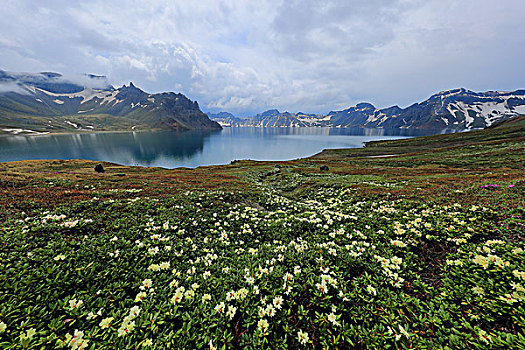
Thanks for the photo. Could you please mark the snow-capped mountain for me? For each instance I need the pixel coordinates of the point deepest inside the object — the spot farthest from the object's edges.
(49, 102)
(225, 119)
(455, 109)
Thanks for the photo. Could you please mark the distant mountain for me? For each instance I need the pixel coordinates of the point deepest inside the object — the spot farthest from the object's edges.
(48, 102)
(457, 109)
(225, 119)
(220, 115)
(271, 118)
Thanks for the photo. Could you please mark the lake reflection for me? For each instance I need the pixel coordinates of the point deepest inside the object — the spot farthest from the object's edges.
(193, 148)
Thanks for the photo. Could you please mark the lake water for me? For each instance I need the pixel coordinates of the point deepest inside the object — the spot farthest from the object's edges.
(193, 148)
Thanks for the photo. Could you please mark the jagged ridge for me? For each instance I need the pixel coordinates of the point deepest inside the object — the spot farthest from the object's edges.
(49, 102)
(454, 109)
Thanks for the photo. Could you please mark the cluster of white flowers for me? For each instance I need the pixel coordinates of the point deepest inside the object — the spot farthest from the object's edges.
(485, 261)
(75, 341)
(390, 268)
(128, 323)
(75, 304)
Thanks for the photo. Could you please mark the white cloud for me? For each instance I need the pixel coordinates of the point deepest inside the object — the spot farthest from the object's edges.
(11, 87)
(247, 56)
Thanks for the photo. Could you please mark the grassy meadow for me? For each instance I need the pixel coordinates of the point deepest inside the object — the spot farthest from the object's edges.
(407, 244)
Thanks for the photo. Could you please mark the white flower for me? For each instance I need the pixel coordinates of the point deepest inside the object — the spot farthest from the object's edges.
(333, 318)
(206, 298)
(106, 323)
(231, 311)
(3, 327)
(114, 254)
(140, 296)
(478, 290)
(146, 284)
(484, 336)
(371, 290)
(270, 310)
(230, 295)
(174, 284)
(278, 302)
(134, 311)
(220, 307)
(302, 337)
(125, 328)
(288, 277)
(177, 298)
(70, 224)
(262, 325)
(77, 341)
(74, 303)
(404, 332)
(190, 293)
(165, 265)
(262, 311)
(322, 287)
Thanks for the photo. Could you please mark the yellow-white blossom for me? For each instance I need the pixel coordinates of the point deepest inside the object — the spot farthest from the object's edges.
(302, 337)
(106, 323)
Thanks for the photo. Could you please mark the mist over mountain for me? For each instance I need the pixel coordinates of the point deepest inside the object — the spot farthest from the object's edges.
(50, 102)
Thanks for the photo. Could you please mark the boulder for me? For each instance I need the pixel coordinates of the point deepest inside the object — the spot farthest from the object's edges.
(99, 168)
(324, 167)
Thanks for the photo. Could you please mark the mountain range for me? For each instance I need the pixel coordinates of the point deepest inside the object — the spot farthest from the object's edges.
(49, 102)
(457, 109)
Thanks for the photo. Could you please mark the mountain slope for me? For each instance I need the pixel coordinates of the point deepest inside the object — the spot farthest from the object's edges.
(457, 109)
(225, 119)
(49, 102)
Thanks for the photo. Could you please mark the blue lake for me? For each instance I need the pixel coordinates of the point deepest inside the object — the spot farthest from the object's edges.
(192, 149)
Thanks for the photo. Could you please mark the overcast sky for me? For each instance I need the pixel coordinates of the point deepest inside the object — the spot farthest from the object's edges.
(246, 56)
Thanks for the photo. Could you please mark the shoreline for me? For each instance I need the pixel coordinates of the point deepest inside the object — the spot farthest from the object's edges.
(28, 132)
(13, 131)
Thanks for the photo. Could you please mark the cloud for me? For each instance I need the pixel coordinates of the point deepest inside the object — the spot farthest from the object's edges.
(248, 56)
(12, 87)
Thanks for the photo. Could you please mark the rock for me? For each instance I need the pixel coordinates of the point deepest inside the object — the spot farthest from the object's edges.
(324, 167)
(278, 166)
(99, 168)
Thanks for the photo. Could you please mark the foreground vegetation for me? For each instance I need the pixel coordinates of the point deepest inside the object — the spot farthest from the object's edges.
(424, 249)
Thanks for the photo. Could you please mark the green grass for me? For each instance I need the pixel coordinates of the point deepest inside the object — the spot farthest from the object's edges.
(422, 250)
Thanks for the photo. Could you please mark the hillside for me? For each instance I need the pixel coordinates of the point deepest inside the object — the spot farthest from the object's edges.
(458, 109)
(406, 244)
(47, 102)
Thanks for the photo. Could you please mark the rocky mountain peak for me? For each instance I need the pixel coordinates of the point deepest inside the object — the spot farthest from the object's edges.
(66, 103)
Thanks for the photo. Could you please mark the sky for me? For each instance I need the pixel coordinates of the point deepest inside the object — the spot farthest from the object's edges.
(246, 56)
